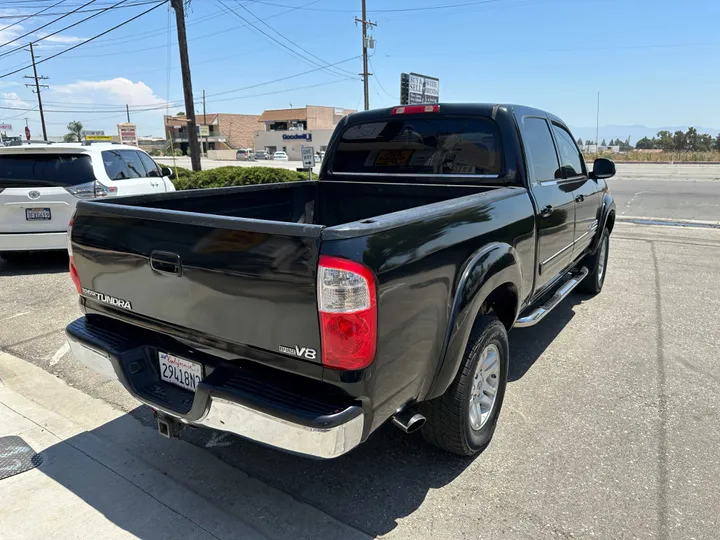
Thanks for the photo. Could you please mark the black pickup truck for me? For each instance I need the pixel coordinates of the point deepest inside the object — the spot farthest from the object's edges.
(304, 315)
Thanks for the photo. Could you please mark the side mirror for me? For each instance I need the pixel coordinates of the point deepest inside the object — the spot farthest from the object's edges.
(603, 168)
(167, 171)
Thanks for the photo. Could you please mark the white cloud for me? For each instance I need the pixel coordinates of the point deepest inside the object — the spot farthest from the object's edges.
(11, 99)
(60, 39)
(118, 91)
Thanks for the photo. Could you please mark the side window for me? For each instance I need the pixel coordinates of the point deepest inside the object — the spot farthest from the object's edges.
(540, 149)
(569, 153)
(151, 168)
(115, 166)
(135, 166)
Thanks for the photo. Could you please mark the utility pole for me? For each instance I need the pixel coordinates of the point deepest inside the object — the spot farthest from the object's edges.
(127, 108)
(365, 74)
(37, 86)
(207, 147)
(178, 6)
(597, 129)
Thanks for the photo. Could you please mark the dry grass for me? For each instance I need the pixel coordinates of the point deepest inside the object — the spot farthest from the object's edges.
(657, 157)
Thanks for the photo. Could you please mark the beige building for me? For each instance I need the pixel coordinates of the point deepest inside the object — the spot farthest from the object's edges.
(289, 130)
(226, 131)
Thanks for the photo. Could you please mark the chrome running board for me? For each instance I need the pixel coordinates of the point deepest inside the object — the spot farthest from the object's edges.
(538, 314)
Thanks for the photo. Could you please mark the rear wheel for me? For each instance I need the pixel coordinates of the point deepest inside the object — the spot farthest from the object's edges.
(462, 420)
(597, 265)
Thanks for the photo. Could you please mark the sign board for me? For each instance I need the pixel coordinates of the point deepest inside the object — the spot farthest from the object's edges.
(204, 131)
(308, 156)
(6, 127)
(98, 137)
(128, 134)
(306, 136)
(27, 133)
(417, 89)
(93, 132)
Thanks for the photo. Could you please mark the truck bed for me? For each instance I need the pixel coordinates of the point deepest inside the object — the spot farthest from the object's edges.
(319, 203)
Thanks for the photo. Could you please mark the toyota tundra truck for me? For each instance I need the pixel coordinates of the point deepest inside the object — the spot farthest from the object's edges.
(305, 315)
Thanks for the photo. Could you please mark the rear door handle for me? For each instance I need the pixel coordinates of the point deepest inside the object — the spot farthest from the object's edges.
(580, 198)
(166, 262)
(546, 211)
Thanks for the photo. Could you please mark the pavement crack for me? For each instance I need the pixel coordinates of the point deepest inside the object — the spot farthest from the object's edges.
(662, 445)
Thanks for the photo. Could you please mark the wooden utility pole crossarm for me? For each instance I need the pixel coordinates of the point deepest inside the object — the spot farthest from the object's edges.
(178, 6)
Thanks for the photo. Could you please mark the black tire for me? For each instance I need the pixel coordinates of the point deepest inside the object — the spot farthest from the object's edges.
(448, 424)
(15, 257)
(595, 280)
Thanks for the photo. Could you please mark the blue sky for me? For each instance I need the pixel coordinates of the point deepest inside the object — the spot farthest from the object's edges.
(655, 63)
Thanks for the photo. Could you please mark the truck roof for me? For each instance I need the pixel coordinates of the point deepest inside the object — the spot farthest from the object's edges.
(480, 109)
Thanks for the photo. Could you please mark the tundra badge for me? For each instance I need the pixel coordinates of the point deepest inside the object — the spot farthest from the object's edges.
(107, 299)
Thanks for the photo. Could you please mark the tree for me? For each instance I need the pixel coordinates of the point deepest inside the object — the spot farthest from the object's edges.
(717, 143)
(579, 142)
(679, 142)
(644, 144)
(665, 141)
(603, 143)
(705, 142)
(691, 139)
(75, 128)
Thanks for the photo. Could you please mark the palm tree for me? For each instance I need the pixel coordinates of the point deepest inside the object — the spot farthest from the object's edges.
(75, 128)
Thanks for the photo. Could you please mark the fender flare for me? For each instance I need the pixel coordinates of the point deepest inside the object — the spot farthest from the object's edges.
(608, 208)
(488, 268)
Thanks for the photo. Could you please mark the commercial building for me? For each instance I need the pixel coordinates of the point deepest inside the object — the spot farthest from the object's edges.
(226, 131)
(291, 129)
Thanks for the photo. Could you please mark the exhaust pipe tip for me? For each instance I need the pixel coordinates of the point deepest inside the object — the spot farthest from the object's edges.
(409, 420)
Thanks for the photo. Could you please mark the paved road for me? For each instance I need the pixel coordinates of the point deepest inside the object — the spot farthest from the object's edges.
(610, 427)
(668, 191)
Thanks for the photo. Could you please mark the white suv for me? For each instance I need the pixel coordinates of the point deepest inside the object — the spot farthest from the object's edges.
(41, 183)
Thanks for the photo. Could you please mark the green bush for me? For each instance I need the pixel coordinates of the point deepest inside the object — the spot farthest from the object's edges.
(232, 176)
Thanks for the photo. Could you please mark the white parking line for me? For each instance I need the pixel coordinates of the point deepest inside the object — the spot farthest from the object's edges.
(16, 315)
(59, 354)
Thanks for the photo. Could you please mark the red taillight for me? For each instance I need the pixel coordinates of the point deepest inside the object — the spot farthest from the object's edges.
(347, 303)
(73, 271)
(74, 276)
(416, 109)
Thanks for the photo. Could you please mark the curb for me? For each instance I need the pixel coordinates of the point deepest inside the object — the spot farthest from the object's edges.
(648, 220)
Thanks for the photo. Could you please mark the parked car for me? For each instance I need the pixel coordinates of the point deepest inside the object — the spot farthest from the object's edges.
(261, 154)
(280, 156)
(304, 315)
(244, 154)
(40, 185)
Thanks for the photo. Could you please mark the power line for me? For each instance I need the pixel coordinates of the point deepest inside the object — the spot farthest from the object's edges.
(88, 40)
(25, 18)
(290, 50)
(68, 26)
(41, 14)
(48, 24)
(295, 44)
(379, 83)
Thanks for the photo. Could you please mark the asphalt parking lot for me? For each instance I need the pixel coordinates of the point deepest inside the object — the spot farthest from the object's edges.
(609, 428)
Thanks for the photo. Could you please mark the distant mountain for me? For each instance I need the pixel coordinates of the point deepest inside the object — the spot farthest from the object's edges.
(635, 132)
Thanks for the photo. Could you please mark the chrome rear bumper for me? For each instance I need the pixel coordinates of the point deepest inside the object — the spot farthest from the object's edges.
(236, 418)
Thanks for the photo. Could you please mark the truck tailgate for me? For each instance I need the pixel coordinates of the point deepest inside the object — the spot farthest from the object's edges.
(245, 281)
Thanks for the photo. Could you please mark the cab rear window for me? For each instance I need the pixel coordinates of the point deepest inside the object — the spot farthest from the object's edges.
(420, 145)
(46, 169)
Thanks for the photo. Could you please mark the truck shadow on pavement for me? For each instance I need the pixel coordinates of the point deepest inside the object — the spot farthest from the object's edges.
(373, 487)
(50, 262)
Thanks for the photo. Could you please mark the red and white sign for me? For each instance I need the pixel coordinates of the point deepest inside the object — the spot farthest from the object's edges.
(27, 133)
(128, 134)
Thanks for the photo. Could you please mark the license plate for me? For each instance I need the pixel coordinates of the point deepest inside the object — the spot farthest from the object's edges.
(184, 373)
(37, 214)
